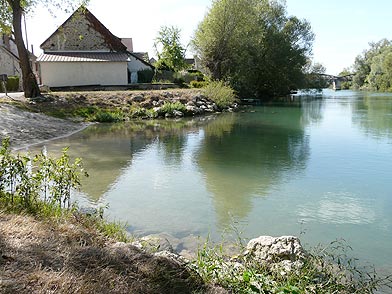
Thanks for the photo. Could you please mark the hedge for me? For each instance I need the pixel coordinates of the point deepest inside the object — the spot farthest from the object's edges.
(12, 84)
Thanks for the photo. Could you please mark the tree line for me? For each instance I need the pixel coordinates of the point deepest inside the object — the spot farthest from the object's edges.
(373, 68)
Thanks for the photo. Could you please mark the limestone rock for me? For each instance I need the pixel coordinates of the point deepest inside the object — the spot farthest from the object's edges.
(157, 243)
(177, 113)
(173, 256)
(285, 251)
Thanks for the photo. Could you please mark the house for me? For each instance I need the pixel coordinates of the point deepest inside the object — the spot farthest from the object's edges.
(9, 60)
(83, 52)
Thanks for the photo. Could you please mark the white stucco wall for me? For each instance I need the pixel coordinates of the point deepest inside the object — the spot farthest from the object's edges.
(63, 74)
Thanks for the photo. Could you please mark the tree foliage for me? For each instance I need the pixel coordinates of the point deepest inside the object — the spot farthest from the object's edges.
(11, 12)
(314, 76)
(254, 46)
(171, 54)
(373, 68)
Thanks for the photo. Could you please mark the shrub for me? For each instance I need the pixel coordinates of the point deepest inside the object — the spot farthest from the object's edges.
(178, 78)
(164, 76)
(222, 95)
(145, 76)
(198, 84)
(107, 116)
(12, 84)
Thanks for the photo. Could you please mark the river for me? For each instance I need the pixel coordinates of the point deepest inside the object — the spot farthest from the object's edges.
(318, 167)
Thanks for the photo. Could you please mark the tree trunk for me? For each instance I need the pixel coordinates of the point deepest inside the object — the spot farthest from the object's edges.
(30, 85)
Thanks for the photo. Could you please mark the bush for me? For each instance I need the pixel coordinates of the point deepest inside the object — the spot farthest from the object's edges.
(198, 84)
(12, 84)
(145, 75)
(107, 116)
(222, 95)
(164, 76)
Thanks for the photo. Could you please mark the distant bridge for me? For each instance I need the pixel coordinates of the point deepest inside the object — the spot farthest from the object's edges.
(337, 80)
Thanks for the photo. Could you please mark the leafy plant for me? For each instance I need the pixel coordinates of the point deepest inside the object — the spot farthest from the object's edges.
(222, 95)
(170, 107)
(27, 183)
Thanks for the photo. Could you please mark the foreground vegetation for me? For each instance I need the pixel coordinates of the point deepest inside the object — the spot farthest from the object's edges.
(63, 250)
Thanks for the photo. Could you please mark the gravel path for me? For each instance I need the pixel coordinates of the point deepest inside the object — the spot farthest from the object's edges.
(27, 128)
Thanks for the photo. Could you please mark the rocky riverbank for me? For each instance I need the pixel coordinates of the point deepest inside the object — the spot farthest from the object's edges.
(30, 121)
(124, 105)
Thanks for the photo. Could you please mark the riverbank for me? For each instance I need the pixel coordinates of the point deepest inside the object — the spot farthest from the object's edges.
(31, 121)
(69, 255)
(105, 106)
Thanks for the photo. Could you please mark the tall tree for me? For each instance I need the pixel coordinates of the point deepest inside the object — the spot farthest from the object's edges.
(11, 21)
(373, 67)
(171, 54)
(254, 46)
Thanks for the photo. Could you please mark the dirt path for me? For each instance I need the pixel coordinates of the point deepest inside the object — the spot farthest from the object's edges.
(27, 128)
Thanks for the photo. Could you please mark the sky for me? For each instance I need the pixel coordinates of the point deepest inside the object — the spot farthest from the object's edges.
(343, 28)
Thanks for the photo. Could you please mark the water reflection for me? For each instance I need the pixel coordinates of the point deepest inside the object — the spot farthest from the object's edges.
(373, 114)
(244, 156)
(270, 167)
(108, 149)
(339, 208)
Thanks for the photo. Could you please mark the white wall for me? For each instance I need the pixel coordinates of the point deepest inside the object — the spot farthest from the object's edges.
(63, 74)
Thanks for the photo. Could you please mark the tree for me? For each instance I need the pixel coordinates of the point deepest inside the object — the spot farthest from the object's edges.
(11, 21)
(315, 76)
(171, 54)
(254, 45)
(373, 67)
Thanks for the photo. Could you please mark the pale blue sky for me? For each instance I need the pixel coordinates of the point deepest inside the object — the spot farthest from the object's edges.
(343, 28)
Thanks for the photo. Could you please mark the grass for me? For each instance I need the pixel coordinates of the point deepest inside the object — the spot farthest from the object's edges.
(327, 269)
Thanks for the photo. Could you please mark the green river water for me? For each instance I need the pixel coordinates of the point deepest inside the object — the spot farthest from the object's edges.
(316, 167)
